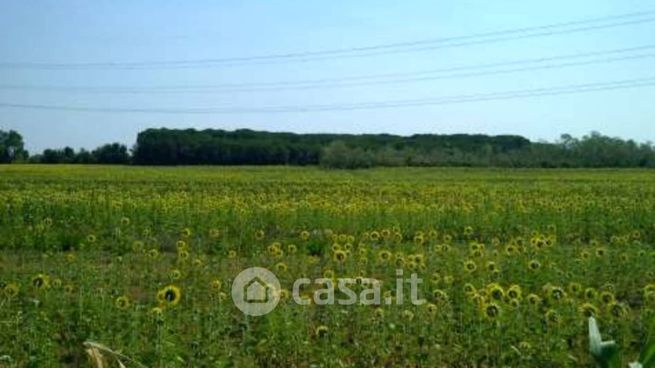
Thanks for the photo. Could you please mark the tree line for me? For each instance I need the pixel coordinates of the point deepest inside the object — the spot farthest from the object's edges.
(12, 150)
(248, 147)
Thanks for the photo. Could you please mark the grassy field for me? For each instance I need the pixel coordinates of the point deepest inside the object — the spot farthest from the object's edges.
(142, 259)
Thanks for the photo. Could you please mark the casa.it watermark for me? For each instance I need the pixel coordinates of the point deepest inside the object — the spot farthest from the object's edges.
(256, 291)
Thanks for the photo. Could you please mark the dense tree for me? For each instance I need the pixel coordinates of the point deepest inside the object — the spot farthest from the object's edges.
(85, 157)
(58, 156)
(241, 147)
(11, 147)
(248, 147)
(244, 147)
(114, 153)
(338, 155)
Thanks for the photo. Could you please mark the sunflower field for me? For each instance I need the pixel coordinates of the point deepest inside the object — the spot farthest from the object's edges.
(141, 260)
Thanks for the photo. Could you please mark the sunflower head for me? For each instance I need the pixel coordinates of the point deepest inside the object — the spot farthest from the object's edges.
(137, 246)
(153, 253)
(11, 290)
(552, 317)
(534, 299)
(284, 294)
(514, 292)
(321, 331)
(495, 291)
(649, 297)
(169, 296)
(588, 310)
(384, 256)
(470, 266)
(491, 311)
(71, 257)
(408, 315)
(122, 302)
(556, 293)
(492, 267)
(590, 293)
(216, 285)
(157, 314)
(607, 297)
(41, 281)
(181, 245)
(281, 267)
(183, 255)
(534, 265)
(469, 289)
(56, 283)
(339, 256)
(175, 274)
(617, 310)
(328, 274)
(574, 288)
(439, 295)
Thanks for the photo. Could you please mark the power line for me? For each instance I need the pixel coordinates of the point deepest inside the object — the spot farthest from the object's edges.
(495, 96)
(364, 51)
(362, 80)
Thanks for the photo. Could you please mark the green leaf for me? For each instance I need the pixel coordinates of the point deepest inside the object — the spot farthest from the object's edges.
(647, 356)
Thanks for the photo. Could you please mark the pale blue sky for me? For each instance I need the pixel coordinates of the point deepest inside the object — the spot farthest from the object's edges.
(65, 31)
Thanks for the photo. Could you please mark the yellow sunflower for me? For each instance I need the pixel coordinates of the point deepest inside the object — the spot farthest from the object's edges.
(122, 302)
(169, 296)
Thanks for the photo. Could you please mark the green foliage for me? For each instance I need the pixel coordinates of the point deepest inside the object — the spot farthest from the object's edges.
(339, 156)
(647, 356)
(347, 151)
(247, 147)
(11, 147)
(114, 153)
(606, 353)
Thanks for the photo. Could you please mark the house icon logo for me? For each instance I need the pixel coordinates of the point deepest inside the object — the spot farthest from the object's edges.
(257, 291)
(254, 291)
